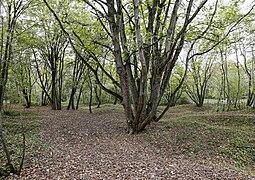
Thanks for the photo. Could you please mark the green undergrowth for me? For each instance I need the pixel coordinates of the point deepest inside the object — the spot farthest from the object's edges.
(15, 122)
(189, 109)
(222, 138)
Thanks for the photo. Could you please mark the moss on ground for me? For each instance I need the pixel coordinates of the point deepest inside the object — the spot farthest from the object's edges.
(226, 138)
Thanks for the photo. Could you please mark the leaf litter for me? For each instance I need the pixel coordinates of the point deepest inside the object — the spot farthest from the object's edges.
(78, 145)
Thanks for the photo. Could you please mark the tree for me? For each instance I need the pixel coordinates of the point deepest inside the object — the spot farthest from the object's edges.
(23, 75)
(140, 96)
(10, 11)
(201, 72)
(49, 52)
(146, 52)
(77, 75)
(249, 70)
(225, 91)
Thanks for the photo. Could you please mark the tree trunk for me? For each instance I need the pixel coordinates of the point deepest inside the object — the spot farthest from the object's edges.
(237, 103)
(90, 93)
(71, 99)
(27, 97)
(97, 97)
(54, 95)
(78, 99)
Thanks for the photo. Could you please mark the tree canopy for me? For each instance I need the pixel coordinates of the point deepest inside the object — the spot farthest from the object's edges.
(140, 53)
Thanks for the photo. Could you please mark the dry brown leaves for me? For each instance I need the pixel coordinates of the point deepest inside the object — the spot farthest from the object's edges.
(78, 145)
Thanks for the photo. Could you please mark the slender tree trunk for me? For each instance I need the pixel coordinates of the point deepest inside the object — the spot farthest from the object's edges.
(27, 98)
(78, 99)
(54, 95)
(90, 94)
(97, 96)
(71, 99)
(237, 103)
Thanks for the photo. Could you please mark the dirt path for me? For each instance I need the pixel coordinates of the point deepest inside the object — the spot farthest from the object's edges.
(95, 146)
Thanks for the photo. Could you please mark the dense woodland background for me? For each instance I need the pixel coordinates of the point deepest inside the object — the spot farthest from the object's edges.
(147, 55)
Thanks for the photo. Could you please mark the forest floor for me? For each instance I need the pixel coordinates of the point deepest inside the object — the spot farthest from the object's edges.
(189, 143)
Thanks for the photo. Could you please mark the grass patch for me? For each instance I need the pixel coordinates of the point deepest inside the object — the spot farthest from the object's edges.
(12, 130)
(14, 113)
(225, 138)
